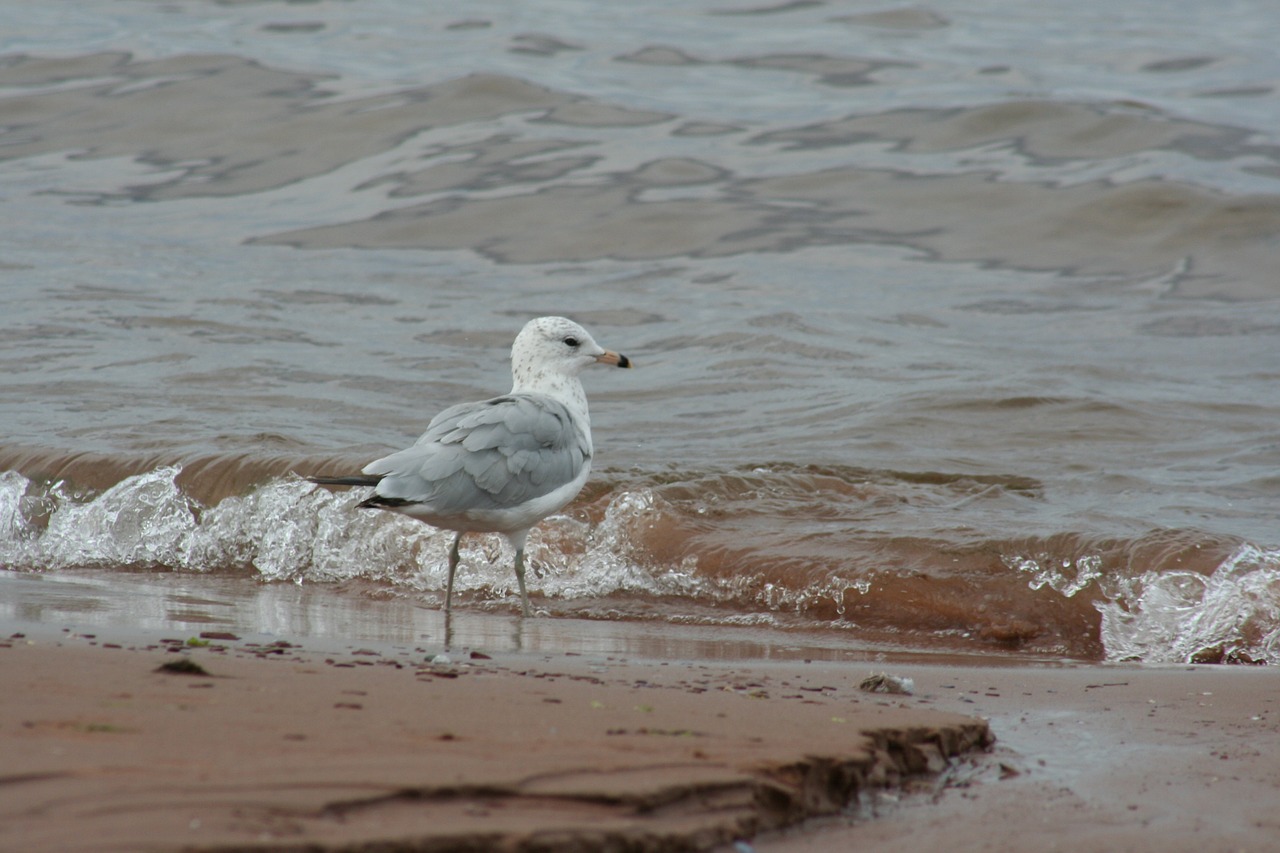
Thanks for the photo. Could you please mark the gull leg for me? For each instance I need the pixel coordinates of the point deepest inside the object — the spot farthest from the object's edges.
(524, 596)
(453, 567)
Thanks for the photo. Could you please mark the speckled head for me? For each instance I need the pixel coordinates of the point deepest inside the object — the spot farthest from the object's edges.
(551, 347)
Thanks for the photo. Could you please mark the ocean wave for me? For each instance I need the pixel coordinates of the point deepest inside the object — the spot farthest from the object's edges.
(288, 529)
(778, 546)
(1231, 615)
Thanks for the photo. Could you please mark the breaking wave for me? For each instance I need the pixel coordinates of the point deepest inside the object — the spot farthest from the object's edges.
(292, 530)
(1229, 616)
(766, 547)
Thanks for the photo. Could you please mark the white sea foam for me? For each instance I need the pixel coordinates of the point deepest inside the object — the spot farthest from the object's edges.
(290, 530)
(1232, 614)
(141, 521)
(1066, 576)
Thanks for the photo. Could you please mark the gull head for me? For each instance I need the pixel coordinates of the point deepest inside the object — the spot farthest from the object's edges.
(552, 347)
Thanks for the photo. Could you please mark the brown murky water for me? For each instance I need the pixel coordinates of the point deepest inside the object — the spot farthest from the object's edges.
(957, 324)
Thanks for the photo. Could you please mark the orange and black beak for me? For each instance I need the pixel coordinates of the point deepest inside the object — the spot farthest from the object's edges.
(616, 359)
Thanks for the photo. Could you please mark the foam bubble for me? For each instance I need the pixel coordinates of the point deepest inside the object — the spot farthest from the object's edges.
(144, 520)
(1067, 577)
(1231, 615)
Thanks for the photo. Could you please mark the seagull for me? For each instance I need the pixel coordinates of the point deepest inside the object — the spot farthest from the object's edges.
(499, 465)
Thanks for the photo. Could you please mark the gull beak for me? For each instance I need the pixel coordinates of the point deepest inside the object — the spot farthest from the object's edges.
(616, 359)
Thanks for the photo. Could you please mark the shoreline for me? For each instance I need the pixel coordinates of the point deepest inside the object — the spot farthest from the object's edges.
(1092, 759)
(288, 746)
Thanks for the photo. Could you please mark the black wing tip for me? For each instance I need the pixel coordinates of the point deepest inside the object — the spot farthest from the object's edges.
(373, 501)
(380, 502)
(358, 480)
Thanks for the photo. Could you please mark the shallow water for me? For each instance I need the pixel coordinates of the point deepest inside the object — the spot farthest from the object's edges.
(956, 322)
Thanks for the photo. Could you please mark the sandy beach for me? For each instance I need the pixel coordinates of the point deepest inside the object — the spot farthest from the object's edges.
(275, 746)
(1091, 758)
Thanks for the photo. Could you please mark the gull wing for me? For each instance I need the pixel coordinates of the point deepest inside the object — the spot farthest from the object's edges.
(494, 454)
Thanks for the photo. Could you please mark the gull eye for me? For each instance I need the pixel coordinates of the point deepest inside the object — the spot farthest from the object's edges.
(572, 342)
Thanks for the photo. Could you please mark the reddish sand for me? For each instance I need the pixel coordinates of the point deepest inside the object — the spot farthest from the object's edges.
(1091, 759)
(280, 748)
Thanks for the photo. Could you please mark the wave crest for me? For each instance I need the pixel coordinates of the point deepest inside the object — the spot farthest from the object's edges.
(787, 548)
(1229, 616)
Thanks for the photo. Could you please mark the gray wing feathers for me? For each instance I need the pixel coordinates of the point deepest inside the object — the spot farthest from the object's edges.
(488, 455)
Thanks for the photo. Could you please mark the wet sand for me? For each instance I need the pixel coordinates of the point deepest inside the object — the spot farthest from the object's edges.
(1091, 758)
(281, 747)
